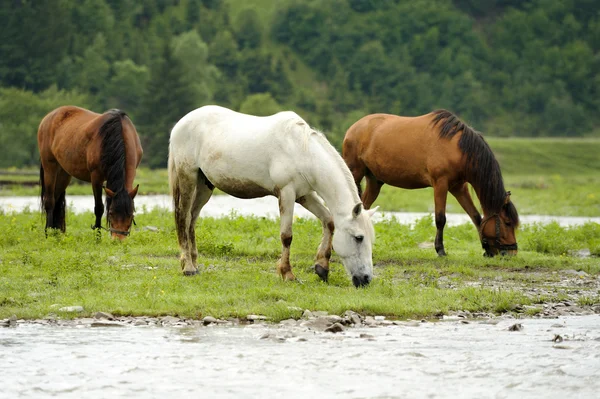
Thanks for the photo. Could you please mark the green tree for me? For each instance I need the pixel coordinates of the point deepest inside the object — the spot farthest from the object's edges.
(127, 86)
(261, 104)
(21, 112)
(168, 98)
(192, 54)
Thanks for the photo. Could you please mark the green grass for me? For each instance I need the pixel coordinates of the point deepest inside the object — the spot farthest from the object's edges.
(141, 276)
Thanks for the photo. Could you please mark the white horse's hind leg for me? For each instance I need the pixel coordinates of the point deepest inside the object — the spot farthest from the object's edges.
(314, 204)
(287, 198)
(183, 195)
(203, 192)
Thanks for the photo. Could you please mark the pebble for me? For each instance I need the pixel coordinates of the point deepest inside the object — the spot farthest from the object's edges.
(209, 320)
(335, 328)
(71, 309)
(254, 317)
(106, 324)
(516, 327)
(104, 315)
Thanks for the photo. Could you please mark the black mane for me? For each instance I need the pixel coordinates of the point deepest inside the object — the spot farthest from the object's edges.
(112, 162)
(481, 167)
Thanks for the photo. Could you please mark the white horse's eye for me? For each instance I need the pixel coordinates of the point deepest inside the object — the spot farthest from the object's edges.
(359, 238)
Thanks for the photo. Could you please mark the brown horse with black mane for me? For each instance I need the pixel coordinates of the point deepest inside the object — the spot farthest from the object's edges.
(435, 150)
(92, 147)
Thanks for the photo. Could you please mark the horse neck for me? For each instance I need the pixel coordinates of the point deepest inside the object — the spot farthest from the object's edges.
(481, 196)
(333, 182)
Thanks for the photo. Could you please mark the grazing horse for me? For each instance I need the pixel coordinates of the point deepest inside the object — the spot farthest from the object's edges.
(96, 148)
(248, 157)
(435, 150)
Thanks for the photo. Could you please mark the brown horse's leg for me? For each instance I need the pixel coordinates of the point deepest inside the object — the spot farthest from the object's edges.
(461, 193)
(97, 181)
(371, 191)
(50, 170)
(440, 192)
(286, 216)
(313, 203)
(201, 197)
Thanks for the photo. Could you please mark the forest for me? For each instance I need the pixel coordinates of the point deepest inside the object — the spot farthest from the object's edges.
(509, 68)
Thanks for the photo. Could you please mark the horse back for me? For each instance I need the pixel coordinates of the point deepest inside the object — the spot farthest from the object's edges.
(400, 151)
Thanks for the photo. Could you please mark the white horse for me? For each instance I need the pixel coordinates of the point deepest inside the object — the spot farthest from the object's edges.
(280, 155)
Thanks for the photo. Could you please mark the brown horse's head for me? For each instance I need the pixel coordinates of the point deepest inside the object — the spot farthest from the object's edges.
(497, 230)
(120, 210)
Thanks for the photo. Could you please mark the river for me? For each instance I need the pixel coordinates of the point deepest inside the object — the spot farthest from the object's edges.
(225, 205)
(418, 360)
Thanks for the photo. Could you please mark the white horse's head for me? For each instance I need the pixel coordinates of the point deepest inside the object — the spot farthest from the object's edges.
(353, 242)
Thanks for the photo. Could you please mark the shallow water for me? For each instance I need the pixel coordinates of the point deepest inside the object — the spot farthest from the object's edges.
(424, 360)
(225, 205)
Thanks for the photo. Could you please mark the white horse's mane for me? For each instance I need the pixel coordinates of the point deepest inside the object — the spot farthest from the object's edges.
(296, 122)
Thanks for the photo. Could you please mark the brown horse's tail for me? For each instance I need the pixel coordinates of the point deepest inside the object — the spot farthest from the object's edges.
(42, 188)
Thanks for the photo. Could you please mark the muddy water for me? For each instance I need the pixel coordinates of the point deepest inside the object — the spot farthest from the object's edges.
(418, 360)
(225, 205)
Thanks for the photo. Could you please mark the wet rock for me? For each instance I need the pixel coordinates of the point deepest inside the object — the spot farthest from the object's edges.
(318, 323)
(208, 320)
(464, 321)
(140, 322)
(351, 317)
(288, 322)
(307, 314)
(335, 328)
(579, 273)
(104, 315)
(254, 317)
(557, 338)
(169, 320)
(265, 336)
(366, 336)
(107, 324)
(10, 322)
(71, 309)
(334, 318)
(516, 327)
(370, 321)
(379, 318)
(450, 318)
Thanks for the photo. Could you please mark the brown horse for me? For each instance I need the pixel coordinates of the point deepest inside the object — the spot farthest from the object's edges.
(435, 150)
(96, 148)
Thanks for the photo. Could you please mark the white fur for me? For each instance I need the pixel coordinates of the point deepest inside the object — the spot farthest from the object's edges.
(249, 156)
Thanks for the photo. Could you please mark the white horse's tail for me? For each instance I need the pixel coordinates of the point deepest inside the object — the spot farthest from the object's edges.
(173, 180)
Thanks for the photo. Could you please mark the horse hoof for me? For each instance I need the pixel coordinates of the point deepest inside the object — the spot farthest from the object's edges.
(322, 272)
(190, 273)
(441, 252)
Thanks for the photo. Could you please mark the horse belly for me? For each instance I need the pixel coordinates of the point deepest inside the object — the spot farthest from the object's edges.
(248, 182)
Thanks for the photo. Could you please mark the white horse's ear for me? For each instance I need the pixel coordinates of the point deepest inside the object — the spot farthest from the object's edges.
(371, 212)
(357, 209)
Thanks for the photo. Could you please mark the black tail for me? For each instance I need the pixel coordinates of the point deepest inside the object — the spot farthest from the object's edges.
(42, 188)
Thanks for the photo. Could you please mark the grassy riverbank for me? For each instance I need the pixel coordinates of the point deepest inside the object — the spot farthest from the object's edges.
(141, 276)
(546, 176)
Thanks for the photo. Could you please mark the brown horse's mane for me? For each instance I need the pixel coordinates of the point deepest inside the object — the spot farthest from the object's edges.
(112, 161)
(481, 167)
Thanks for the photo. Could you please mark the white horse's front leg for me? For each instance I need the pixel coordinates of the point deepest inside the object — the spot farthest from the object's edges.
(287, 198)
(314, 204)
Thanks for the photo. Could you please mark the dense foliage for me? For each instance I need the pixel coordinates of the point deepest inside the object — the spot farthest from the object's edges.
(508, 67)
